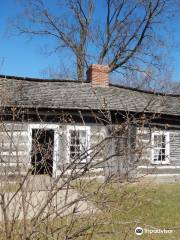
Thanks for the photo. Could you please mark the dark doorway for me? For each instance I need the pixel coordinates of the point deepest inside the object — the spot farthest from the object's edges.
(42, 151)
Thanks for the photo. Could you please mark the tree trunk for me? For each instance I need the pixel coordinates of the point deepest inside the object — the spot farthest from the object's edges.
(80, 68)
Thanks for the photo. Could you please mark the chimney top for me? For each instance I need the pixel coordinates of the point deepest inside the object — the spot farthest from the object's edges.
(98, 75)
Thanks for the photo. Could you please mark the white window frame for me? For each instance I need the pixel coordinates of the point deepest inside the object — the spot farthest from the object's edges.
(76, 128)
(45, 126)
(167, 144)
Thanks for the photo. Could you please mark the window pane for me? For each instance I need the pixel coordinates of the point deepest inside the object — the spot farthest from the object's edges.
(163, 141)
(157, 140)
(163, 152)
(78, 142)
(159, 148)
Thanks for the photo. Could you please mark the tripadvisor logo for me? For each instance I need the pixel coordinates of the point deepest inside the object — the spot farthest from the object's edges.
(138, 231)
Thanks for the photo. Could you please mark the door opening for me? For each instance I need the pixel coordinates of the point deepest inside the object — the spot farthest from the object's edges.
(42, 151)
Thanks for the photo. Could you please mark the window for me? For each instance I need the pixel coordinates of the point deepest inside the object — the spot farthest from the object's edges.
(160, 147)
(78, 142)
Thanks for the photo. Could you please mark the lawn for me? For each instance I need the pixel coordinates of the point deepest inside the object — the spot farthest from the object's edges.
(126, 206)
(123, 207)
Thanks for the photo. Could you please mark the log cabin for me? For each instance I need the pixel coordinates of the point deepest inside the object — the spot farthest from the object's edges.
(48, 126)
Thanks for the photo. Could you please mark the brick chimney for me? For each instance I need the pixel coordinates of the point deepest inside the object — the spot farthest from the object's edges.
(98, 75)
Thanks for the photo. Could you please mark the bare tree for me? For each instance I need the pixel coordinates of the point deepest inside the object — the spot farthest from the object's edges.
(150, 80)
(123, 34)
(69, 28)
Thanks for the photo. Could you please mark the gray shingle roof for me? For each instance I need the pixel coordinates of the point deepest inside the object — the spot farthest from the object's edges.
(75, 95)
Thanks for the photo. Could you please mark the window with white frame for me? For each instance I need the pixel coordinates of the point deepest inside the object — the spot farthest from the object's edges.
(160, 147)
(78, 142)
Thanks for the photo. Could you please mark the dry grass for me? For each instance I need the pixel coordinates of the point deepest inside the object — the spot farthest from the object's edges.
(123, 208)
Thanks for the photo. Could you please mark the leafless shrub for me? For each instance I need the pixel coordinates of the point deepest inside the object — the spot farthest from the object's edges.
(49, 172)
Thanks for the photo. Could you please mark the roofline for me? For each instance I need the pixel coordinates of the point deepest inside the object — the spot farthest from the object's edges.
(37, 79)
(77, 81)
(90, 110)
(145, 91)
